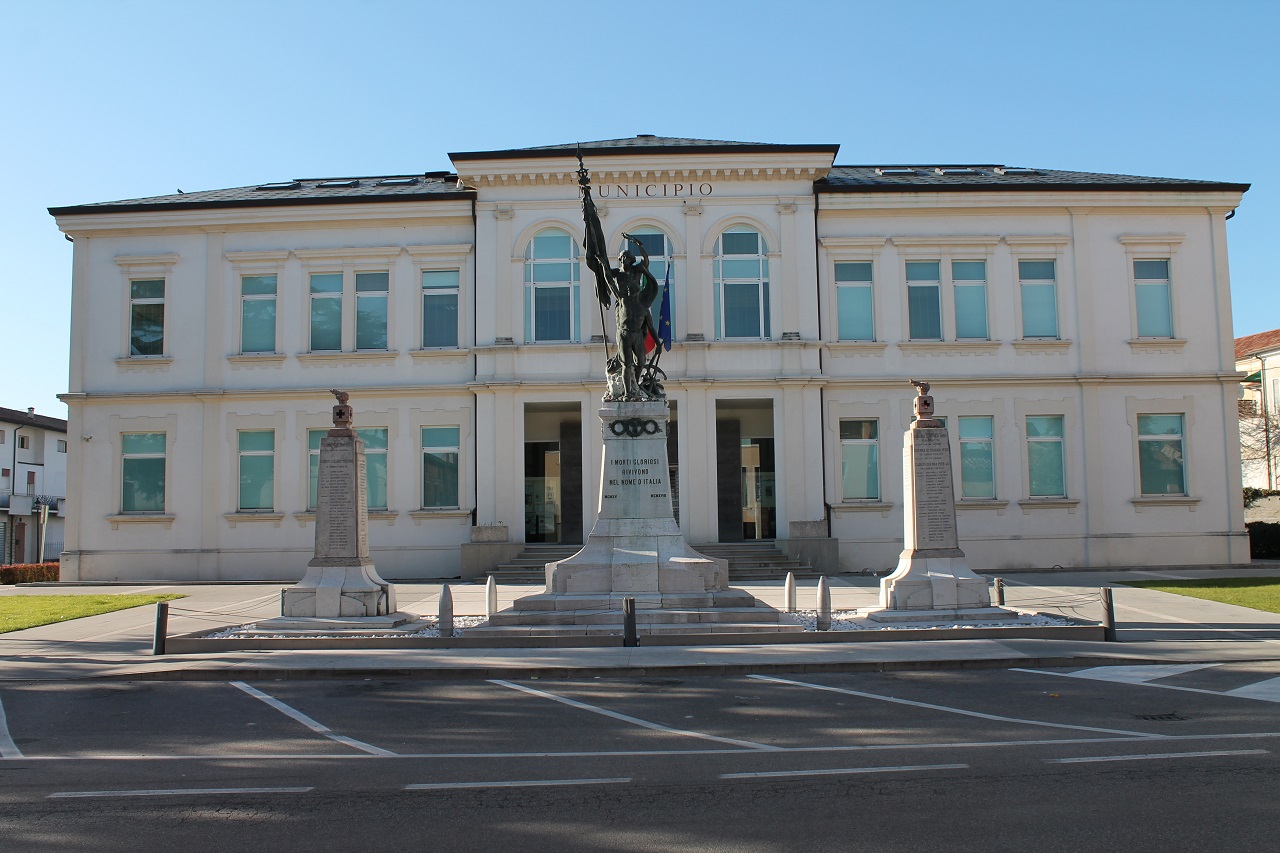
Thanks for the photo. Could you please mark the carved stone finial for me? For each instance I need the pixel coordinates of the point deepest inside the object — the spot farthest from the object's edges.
(342, 413)
(923, 406)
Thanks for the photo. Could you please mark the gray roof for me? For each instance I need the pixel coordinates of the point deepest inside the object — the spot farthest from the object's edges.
(431, 186)
(646, 143)
(16, 416)
(992, 177)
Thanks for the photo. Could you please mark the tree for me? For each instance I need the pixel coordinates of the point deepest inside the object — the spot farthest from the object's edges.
(1260, 443)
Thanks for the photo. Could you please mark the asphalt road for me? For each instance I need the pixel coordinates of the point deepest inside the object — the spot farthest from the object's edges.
(1171, 758)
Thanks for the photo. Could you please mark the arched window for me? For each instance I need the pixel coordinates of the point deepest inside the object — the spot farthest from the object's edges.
(658, 245)
(742, 284)
(551, 287)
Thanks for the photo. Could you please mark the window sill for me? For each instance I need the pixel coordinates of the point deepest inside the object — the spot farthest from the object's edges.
(234, 518)
(863, 506)
(421, 515)
(1157, 345)
(982, 503)
(140, 518)
(1051, 346)
(850, 348)
(144, 363)
(1164, 500)
(332, 357)
(949, 347)
(1069, 504)
(257, 359)
(438, 353)
(387, 515)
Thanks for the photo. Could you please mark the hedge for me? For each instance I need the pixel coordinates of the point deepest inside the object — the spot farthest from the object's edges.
(1264, 540)
(31, 572)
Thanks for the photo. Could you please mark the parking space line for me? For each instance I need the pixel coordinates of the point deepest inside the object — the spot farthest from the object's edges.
(773, 774)
(8, 749)
(310, 723)
(175, 792)
(1082, 676)
(1266, 691)
(961, 711)
(1151, 756)
(526, 783)
(635, 721)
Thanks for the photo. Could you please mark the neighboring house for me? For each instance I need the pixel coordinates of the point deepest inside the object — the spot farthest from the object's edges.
(1076, 328)
(1258, 356)
(33, 474)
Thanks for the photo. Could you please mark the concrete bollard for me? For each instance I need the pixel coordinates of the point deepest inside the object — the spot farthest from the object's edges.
(446, 611)
(490, 597)
(790, 588)
(162, 628)
(824, 604)
(630, 637)
(1108, 616)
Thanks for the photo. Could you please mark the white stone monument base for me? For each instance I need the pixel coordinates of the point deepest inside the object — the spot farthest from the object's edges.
(935, 583)
(339, 592)
(352, 624)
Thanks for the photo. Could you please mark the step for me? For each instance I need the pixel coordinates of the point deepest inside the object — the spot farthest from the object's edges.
(642, 628)
(702, 616)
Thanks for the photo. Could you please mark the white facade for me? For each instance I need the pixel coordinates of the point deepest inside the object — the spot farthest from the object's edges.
(33, 471)
(774, 410)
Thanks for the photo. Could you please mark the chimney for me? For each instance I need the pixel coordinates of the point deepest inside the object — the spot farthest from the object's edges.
(31, 412)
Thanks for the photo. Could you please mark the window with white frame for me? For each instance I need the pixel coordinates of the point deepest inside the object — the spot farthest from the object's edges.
(257, 313)
(551, 297)
(1038, 286)
(741, 272)
(146, 317)
(1046, 461)
(326, 312)
(924, 300)
(855, 304)
(440, 308)
(62, 445)
(1152, 298)
(977, 456)
(372, 289)
(24, 442)
(1160, 464)
(142, 477)
(440, 451)
(256, 450)
(969, 285)
(860, 459)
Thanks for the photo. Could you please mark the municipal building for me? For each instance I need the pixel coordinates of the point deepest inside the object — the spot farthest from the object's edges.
(1076, 328)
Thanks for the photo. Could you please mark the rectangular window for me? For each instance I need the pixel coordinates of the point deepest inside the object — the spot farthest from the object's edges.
(860, 459)
(977, 457)
(440, 308)
(1046, 463)
(258, 313)
(924, 308)
(1160, 464)
(62, 445)
(969, 279)
(257, 452)
(375, 456)
(142, 471)
(371, 310)
(440, 447)
(24, 442)
(854, 306)
(1037, 281)
(146, 317)
(1151, 296)
(741, 300)
(326, 312)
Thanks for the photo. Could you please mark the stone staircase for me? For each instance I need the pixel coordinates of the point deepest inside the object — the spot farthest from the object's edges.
(528, 568)
(751, 562)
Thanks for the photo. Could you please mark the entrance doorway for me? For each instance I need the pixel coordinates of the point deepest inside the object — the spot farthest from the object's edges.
(746, 488)
(553, 473)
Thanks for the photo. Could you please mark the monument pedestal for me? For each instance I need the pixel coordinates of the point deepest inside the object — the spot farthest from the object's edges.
(933, 580)
(635, 550)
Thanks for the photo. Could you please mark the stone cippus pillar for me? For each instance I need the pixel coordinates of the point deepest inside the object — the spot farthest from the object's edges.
(932, 578)
(341, 581)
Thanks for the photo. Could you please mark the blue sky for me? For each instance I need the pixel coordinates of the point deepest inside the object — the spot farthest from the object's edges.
(112, 100)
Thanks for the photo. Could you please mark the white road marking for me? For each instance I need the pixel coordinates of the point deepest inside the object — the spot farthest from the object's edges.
(635, 721)
(527, 783)
(1239, 693)
(1267, 691)
(175, 792)
(8, 749)
(773, 774)
(1138, 674)
(1152, 756)
(310, 723)
(961, 711)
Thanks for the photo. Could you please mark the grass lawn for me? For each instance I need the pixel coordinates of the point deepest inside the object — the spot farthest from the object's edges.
(1258, 593)
(28, 611)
